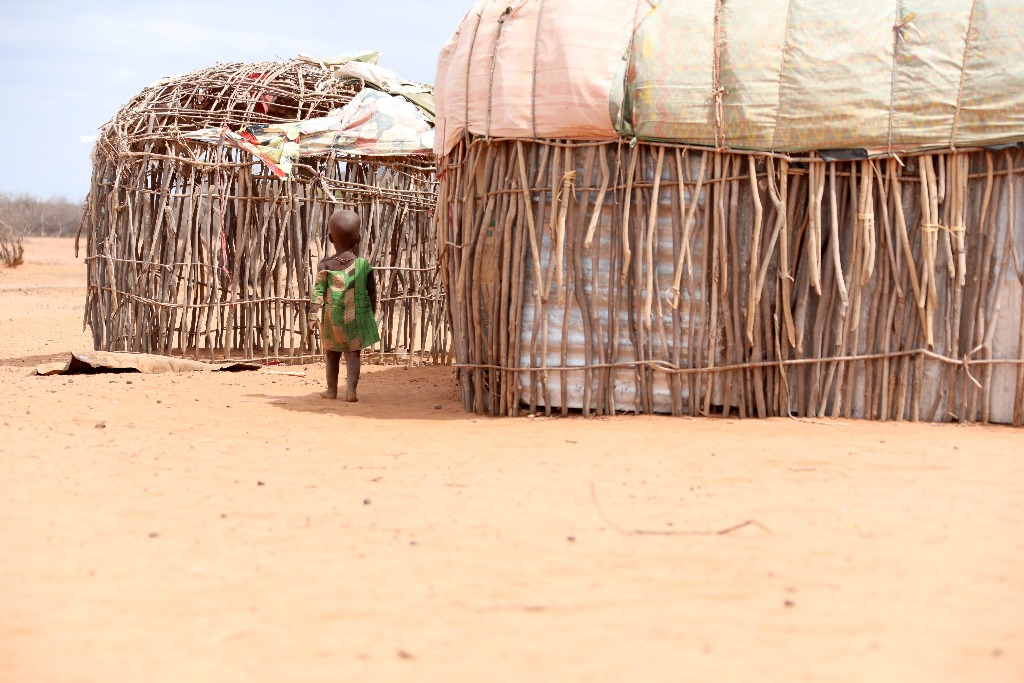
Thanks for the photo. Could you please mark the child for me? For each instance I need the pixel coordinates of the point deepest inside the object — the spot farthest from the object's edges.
(344, 304)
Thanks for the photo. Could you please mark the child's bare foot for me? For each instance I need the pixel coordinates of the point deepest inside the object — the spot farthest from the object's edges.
(330, 393)
(351, 397)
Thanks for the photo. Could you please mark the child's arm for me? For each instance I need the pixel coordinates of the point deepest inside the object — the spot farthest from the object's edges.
(316, 304)
(371, 290)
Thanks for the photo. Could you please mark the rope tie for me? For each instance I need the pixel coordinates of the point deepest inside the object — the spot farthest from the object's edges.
(782, 69)
(966, 365)
(494, 60)
(469, 63)
(716, 75)
(568, 182)
(967, 369)
(905, 23)
(629, 62)
(902, 22)
(536, 56)
(963, 76)
(935, 227)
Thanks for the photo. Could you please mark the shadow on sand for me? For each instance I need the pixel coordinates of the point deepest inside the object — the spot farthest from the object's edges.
(33, 361)
(389, 393)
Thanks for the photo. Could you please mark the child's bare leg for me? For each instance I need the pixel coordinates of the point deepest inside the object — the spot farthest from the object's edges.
(333, 359)
(352, 359)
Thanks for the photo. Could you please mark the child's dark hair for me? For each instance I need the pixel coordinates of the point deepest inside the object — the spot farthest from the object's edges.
(344, 229)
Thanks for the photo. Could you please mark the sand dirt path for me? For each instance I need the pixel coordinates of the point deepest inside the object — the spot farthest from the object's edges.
(212, 527)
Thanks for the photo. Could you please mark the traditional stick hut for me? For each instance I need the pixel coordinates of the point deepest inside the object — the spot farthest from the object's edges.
(210, 197)
(745, 207)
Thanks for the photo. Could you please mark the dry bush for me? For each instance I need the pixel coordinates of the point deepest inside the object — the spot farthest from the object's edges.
(32, 217)
(12, 253)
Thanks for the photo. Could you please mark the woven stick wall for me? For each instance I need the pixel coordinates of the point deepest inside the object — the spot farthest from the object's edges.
(199, 250)
(661, 278)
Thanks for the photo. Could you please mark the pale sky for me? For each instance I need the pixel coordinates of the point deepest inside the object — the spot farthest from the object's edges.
(67, 67)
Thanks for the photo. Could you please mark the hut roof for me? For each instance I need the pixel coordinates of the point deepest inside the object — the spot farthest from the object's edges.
(768, 75)
(278, 111)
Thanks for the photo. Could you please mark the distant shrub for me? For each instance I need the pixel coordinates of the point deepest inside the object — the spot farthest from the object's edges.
(12, 253)
(32, 217)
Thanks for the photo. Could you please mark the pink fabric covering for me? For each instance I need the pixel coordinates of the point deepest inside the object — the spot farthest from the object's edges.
(581, 45)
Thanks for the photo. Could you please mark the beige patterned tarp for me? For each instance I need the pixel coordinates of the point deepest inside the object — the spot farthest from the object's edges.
(771, 75)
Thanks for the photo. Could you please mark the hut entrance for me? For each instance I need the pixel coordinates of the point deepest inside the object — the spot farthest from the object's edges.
(210, 198)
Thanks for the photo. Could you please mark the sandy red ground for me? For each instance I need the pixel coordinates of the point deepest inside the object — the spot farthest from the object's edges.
(212, 527)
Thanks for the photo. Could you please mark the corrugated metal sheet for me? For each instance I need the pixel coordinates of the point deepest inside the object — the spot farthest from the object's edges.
(1005, 294)
(625, 381)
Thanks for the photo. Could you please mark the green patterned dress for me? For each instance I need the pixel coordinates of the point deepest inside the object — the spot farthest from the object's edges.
(341, 304)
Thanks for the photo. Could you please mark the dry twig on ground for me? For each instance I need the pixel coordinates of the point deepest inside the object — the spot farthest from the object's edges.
(669, 532)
